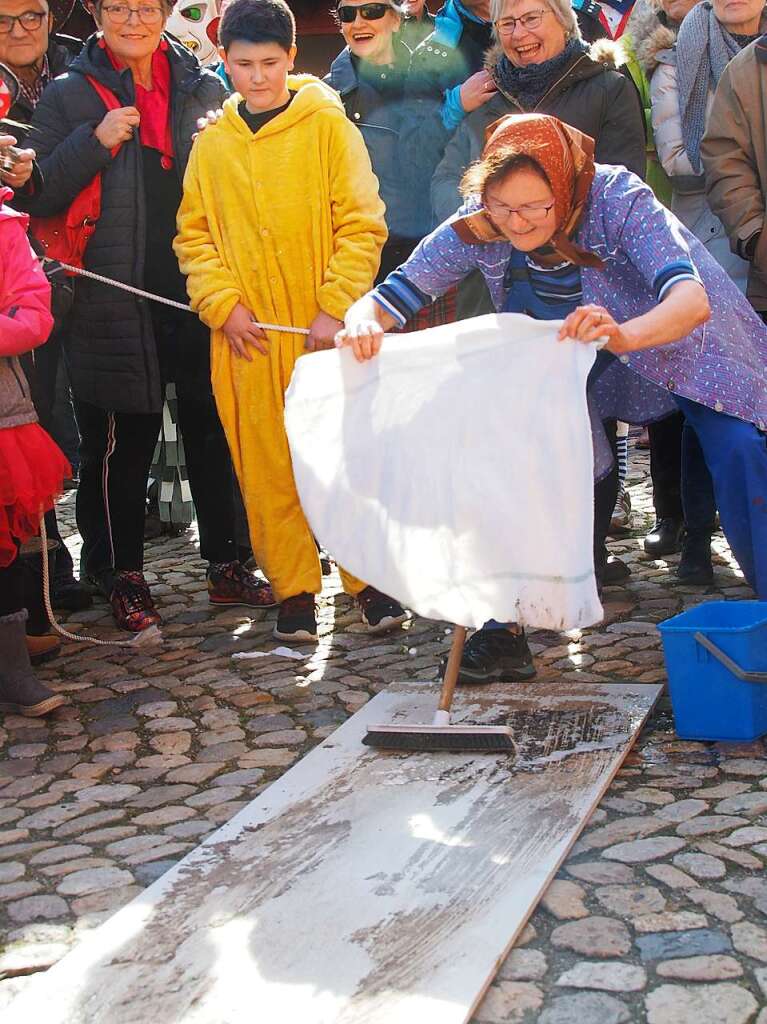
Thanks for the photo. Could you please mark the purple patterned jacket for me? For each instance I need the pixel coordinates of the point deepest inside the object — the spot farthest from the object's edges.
(722, 364)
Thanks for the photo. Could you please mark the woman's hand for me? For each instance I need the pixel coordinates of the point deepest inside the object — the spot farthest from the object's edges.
(242, 333)
(212, 117)
(364, 338)
(117, 126)
(477, 90)
(20, 163)
(322, 332)
(594, 323)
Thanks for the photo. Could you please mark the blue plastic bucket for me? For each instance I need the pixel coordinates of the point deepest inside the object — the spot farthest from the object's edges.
(716, 658)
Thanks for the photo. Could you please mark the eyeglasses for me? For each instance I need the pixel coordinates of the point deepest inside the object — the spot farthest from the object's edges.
(369, 12)
(531, 20)
(120, 14)
(30, 21)
(530, 211)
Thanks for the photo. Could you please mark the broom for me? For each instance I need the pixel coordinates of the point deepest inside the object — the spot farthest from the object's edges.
(441, 735)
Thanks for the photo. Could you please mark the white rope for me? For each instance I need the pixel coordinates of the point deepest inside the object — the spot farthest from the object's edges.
(160, 298)
(141, 639)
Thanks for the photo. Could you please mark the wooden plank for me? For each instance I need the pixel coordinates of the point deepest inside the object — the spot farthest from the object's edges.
(361, 887)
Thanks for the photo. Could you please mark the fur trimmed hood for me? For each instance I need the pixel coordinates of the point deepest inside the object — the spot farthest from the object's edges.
(607, 52)
(649, 36)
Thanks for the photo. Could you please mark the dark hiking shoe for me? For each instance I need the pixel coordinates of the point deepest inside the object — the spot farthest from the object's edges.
(231, 583)
(495, 654)
(695, 565)
(379, 612)
(297, 619)
(132, 604)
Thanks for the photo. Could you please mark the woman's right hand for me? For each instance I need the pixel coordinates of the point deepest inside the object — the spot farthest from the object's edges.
(477, 90)
(363, 337)
(117, 126)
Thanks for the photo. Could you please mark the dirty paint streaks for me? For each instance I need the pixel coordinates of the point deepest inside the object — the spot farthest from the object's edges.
(361, 887)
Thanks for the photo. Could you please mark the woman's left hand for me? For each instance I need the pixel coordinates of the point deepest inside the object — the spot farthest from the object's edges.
(594, 323)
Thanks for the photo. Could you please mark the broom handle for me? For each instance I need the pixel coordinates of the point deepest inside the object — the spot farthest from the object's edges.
(453, 666)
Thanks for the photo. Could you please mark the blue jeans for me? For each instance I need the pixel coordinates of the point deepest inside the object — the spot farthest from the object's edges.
(736, 455)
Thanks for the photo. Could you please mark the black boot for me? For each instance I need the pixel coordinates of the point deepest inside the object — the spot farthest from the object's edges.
(494, 654)
(695, 564)
(21, 692)
(665, 537)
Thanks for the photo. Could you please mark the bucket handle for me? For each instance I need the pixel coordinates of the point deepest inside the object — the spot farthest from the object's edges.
(726, 660)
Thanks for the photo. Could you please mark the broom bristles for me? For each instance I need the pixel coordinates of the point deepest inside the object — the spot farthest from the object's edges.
(481, 738)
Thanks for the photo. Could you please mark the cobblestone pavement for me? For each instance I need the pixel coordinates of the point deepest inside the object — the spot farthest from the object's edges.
(658, 914)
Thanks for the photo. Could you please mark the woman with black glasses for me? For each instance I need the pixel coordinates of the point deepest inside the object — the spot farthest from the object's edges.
(404, 138)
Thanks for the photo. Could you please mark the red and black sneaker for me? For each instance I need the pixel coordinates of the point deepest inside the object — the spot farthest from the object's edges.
(379, 612)
(132, 604)
(231, 583)
(297, 619)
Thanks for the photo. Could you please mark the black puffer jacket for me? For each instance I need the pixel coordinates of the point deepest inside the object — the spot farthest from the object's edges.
(111, 347)
(592, 96)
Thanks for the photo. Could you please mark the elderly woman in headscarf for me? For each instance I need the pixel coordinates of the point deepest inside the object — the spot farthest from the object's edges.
(560, 238)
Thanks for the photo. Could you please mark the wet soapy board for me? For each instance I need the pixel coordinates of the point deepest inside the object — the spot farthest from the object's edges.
(362, 887)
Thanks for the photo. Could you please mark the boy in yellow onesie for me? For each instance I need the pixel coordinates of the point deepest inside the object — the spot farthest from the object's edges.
(280, 222)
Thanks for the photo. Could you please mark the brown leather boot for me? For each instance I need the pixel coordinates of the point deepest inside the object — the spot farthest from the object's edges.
(43, 648)
(21, 692)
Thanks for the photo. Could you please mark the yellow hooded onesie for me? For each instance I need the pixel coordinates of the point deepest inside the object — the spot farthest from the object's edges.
(288, 222)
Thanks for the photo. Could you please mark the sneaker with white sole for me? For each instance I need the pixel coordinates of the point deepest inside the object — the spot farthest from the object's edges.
(380, 613)
(297, 619)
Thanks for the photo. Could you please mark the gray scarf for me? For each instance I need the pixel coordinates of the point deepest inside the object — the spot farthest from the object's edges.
(703, 50)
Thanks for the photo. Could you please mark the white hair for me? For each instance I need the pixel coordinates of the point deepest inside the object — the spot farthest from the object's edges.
(561, 9)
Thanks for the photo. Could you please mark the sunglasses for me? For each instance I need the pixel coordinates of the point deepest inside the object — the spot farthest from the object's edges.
(369, 12)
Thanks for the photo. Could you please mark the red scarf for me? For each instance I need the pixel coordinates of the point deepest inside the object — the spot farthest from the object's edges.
(153, 104)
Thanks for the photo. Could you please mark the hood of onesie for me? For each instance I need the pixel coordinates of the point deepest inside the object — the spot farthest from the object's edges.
(312, 96)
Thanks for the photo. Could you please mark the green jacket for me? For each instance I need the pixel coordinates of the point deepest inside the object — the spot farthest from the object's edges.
(655, 176)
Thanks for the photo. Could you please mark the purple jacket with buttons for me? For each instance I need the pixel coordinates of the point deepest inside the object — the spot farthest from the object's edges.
(721, 364)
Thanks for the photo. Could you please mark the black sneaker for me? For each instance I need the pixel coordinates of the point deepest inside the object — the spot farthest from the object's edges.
(495, 654)
(379, 612)
(297, 619)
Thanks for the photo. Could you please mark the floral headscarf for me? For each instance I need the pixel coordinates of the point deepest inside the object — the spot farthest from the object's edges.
(566, 157)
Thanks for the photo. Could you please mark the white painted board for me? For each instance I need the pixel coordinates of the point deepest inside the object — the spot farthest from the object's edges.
(361, 887)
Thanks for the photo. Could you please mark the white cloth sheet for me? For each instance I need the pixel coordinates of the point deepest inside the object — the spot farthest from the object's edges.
(455, 471)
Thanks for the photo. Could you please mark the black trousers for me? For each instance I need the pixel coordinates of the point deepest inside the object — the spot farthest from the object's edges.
(116, 452)
(681, 482)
